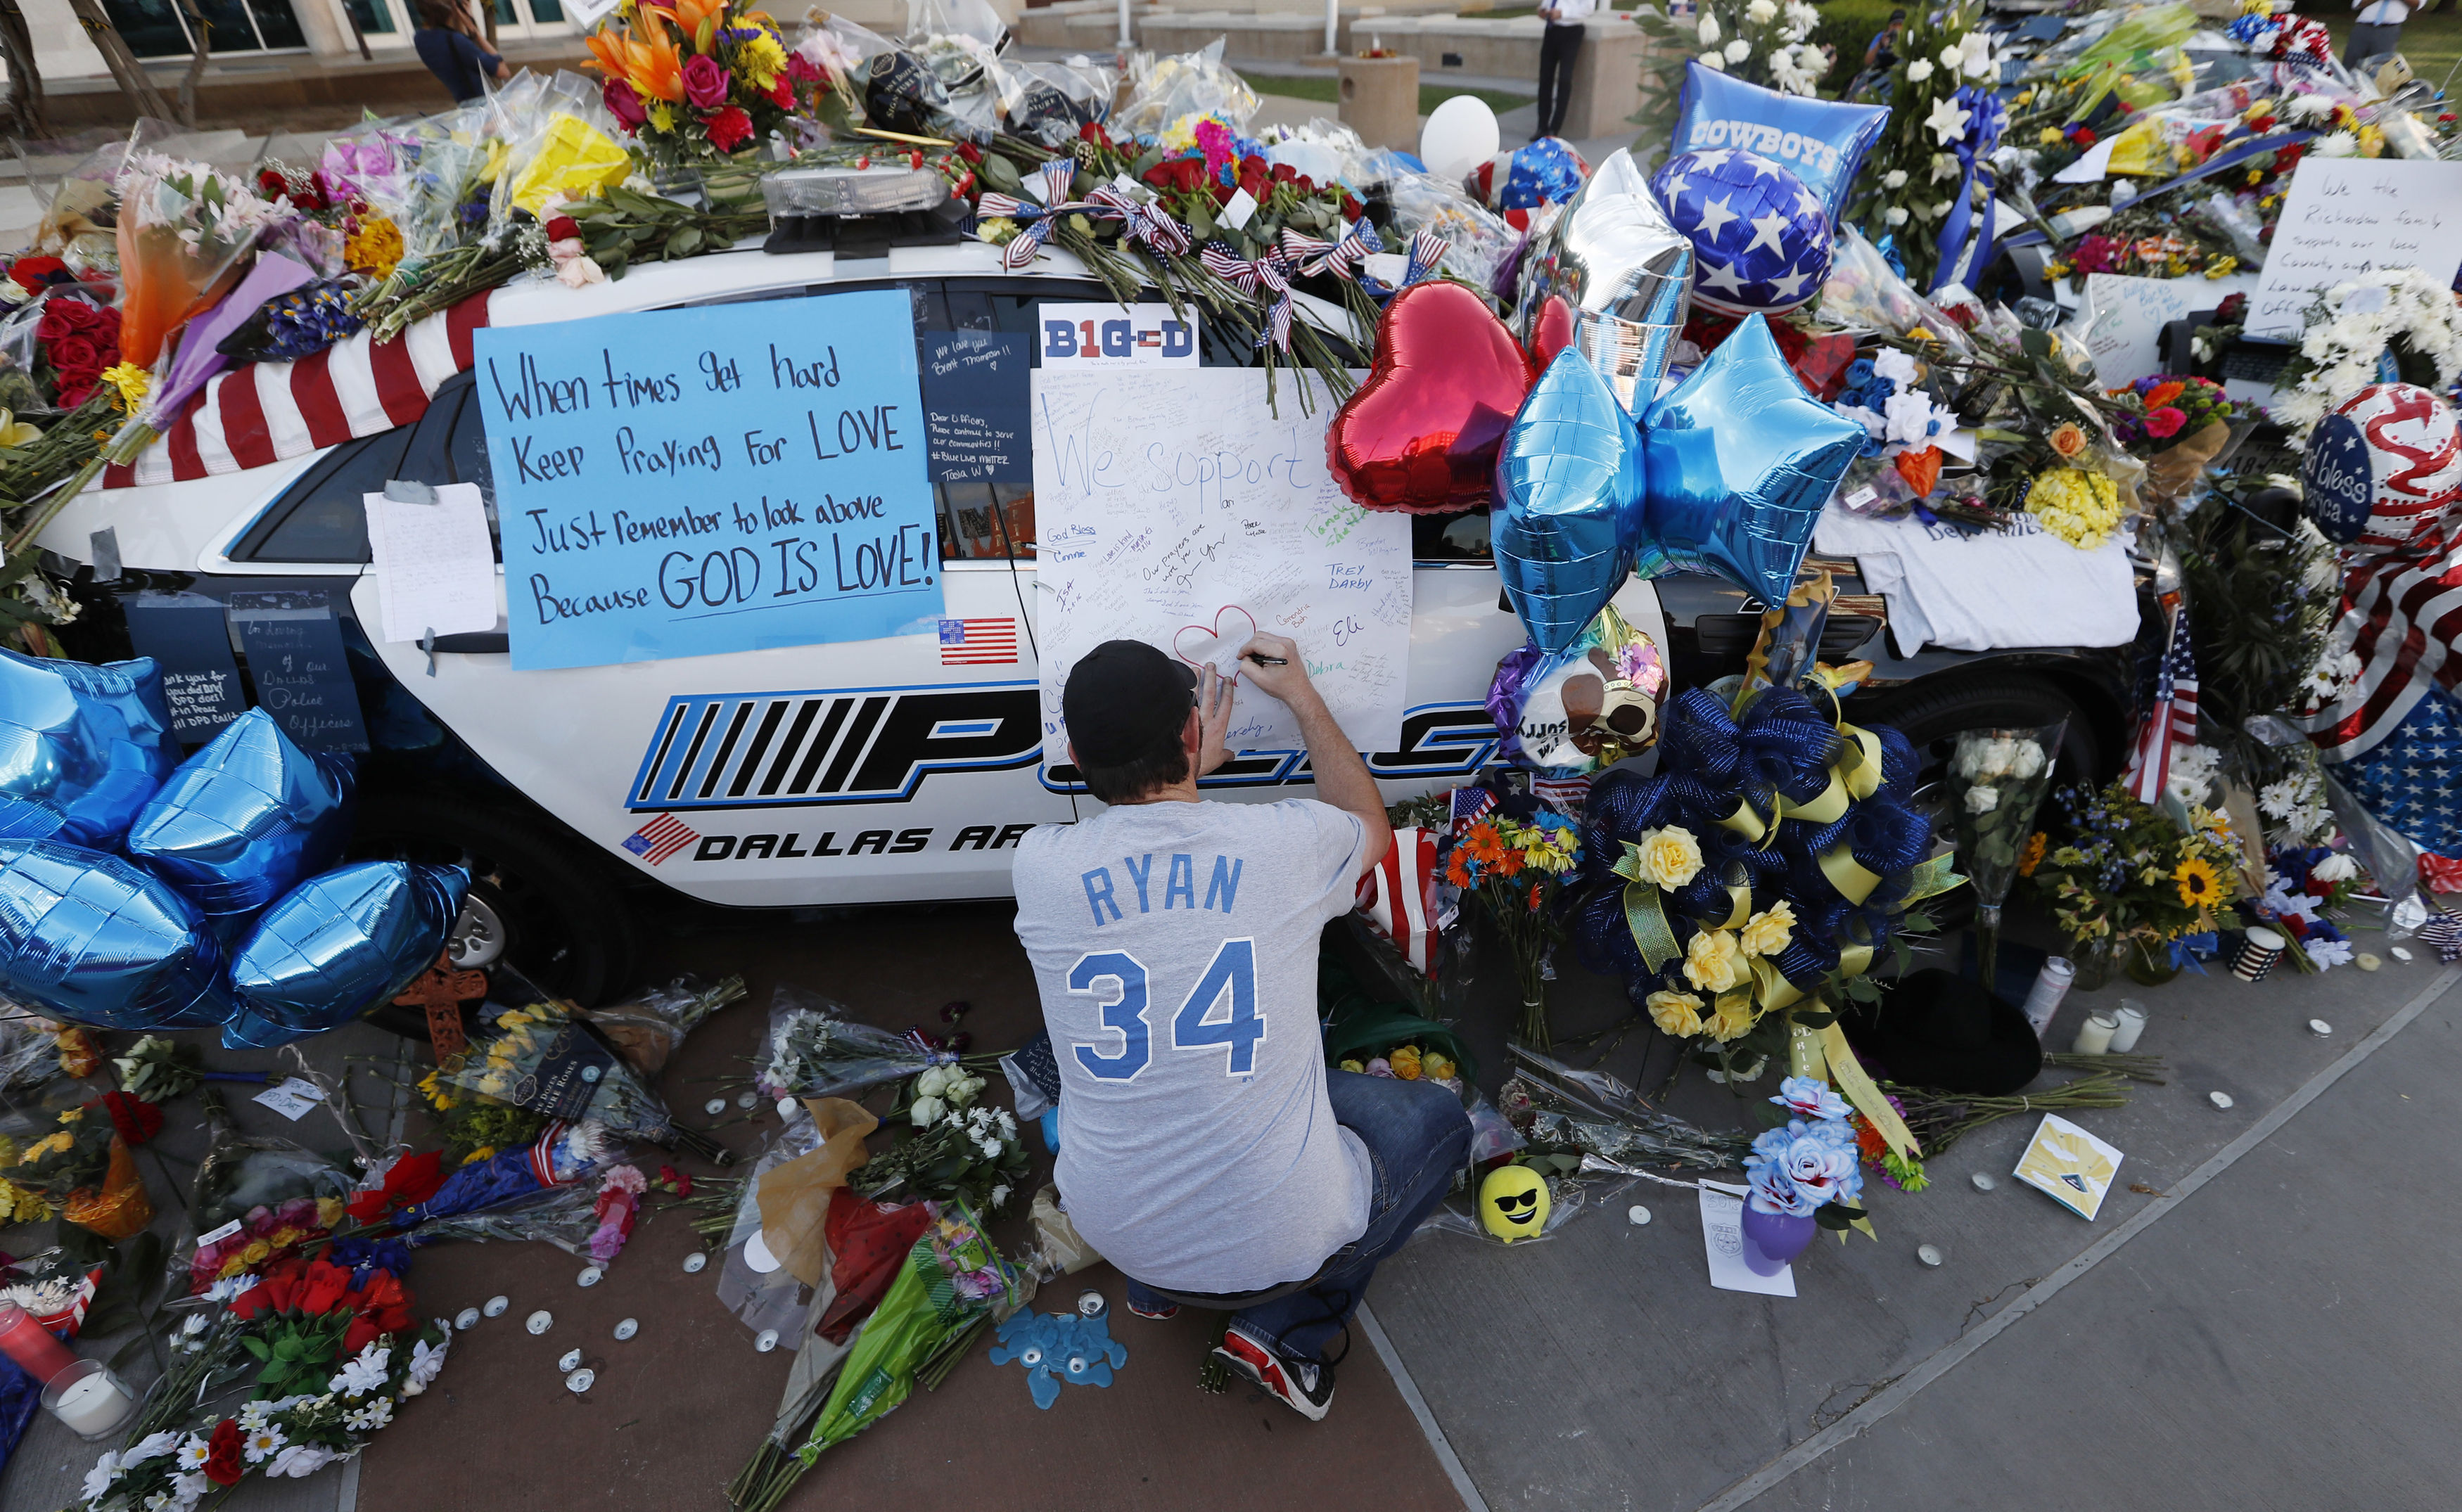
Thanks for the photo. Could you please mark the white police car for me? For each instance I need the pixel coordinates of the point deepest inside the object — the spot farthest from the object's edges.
(875, 771)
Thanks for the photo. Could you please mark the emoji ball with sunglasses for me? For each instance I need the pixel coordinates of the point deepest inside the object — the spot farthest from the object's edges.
(1513, 1202)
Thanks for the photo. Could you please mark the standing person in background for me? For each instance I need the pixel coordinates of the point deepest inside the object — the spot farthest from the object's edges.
(1558, 47)
(2378, 30)
(455, 50)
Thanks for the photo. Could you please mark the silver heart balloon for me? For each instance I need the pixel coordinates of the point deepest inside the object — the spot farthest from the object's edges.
(1624, 270)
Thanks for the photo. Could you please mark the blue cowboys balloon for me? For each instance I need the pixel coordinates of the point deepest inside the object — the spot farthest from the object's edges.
(1760, 237)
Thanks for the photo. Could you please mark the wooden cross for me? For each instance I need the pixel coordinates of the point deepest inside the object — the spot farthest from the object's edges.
(441, 991)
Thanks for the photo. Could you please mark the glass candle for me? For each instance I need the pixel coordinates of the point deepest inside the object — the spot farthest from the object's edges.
(2132, 1023)
(2094, 1035)
(89, 1399)
(24, 1340)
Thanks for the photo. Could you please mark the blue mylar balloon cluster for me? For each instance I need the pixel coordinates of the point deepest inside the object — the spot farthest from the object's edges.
(1742, 460)
(341, 944)
(1568, 488)
(91, 938)
(245, 819)
(1727, 474)
(1761, 239)
(247, 824)
(81, 747)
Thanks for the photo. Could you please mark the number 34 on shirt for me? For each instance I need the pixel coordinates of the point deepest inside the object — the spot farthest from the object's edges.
(1220, 1012)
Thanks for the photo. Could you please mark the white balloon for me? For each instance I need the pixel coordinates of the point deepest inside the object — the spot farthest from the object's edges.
(1461, 134)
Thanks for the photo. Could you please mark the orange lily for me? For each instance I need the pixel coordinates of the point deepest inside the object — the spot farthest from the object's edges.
(649, 64)
(700, 17)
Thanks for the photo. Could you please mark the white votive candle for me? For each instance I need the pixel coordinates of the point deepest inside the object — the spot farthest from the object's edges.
(2132, 1023)
(93, 1404)
(2094, 1035)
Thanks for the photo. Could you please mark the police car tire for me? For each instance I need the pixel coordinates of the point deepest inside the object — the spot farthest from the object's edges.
(569, 928)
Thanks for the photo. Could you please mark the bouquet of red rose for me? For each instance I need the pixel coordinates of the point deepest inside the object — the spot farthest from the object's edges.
(79, 338)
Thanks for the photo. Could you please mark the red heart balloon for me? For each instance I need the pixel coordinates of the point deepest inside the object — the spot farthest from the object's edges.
(1421, 434)
(1551, 333)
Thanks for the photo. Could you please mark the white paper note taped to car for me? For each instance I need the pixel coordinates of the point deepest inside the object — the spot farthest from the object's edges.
(435, 567)
(2348, 216)
(1176, 508)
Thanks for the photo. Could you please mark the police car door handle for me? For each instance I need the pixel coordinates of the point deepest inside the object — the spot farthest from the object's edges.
(471, 643)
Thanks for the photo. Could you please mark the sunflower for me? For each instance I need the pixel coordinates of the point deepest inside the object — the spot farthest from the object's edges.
(2200, 886)
(2032, 856)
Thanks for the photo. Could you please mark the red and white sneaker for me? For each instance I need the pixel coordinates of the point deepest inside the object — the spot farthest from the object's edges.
(1305, 1387)
(1158, 1314)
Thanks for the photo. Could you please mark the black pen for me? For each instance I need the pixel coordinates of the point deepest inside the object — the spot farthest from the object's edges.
(1263, 661)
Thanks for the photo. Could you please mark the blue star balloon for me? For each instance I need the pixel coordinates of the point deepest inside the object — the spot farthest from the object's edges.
(90, 938)
(1761, 239)
(1740, 462)
(338, 944)
(81, 747)
(245, 819)
(1568, 487)
(1821, 142)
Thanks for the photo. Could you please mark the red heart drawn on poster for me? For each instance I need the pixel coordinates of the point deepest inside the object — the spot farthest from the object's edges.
(1420, 434)
(1216, 645)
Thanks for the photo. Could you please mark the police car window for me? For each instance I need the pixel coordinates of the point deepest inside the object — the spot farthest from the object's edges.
(323, 517)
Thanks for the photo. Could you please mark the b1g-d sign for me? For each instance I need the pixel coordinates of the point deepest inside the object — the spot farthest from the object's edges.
(686, 481)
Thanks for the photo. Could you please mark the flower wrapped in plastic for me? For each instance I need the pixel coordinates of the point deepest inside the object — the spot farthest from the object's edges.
(546, 1055)
(542, 1054)
(183, 231)
(814, 1050)
(503, 1196)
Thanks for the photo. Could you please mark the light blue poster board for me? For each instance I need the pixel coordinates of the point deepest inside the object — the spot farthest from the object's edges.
(681, 482)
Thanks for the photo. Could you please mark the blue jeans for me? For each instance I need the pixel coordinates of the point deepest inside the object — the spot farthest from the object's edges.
(1417, 1136)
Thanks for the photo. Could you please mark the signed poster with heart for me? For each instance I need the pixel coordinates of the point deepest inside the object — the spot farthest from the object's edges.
(1175, 507)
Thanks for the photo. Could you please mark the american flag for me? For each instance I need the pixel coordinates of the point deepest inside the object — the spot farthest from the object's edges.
(2172, 721)
(1471, 805)
(978, 642)
(660, 838)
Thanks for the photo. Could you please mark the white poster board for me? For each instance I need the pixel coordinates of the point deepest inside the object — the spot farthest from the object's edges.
(2127, 342)
(2348, 216)
(1175, 507)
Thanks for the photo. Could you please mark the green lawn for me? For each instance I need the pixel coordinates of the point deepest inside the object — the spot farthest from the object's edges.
(1311, 86)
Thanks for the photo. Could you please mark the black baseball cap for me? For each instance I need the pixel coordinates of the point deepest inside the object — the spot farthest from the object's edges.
(1123, 698)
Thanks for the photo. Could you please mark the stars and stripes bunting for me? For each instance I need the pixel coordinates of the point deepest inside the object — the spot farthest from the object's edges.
(978, 642)
(1396, 896)
(261, 413)
(2171, 720)
(660, 838)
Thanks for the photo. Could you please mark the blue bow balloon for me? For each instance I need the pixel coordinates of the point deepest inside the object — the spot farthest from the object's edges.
(1740, 463)
(1820, 141)
(90, 938)
(1569, 484)
(338, 944)
(245, 818)
(81, 747)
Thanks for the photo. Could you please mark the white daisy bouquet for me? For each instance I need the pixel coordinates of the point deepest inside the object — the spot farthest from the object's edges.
(2399, 312)
(961, 1146)
(320, 1383)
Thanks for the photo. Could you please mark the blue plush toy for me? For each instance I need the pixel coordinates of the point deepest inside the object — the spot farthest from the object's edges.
(1056, 1347)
